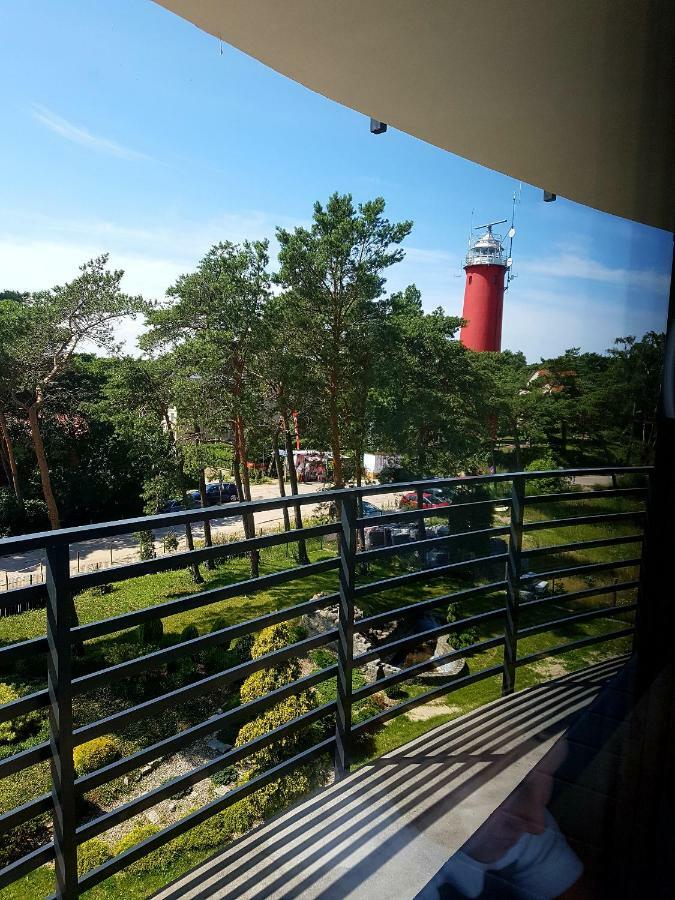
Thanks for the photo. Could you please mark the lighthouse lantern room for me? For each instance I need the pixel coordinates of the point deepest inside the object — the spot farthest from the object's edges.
(486, 266)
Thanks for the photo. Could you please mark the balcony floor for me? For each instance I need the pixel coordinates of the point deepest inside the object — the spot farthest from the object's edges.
(387, 829)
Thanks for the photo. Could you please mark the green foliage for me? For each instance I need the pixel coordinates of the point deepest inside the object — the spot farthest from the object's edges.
(225, 777)
(17, 518)
(189, 633)
(91, 854)
(150, 632)
(146, 544)
(137, 834)
(171, 542)
(549, 485)
(95, 754)
(14, 729)
(461, 638)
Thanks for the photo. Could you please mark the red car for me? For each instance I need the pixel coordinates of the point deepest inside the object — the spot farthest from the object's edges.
(430, 500)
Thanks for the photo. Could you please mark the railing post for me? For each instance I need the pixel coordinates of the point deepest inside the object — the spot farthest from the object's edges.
(513, 574)
(59, 685)
(347, 536)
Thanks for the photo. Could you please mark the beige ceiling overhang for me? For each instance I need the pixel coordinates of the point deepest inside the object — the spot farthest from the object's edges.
(575, 96)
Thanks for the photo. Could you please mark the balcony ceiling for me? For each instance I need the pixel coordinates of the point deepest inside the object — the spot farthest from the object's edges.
(572, 96)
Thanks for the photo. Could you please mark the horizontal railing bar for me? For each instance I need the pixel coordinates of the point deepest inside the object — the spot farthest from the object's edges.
(95, 876)
(26, 864)
(420, 546)
(582, 594)
(413, 515)
(423, 574)
(400, 708)
(168, 789)
(171, 744)
(423, 636)
(586, 569)
(189, 557)
(159, 657)
(27, 703)
(202, 598)
(578, 617)
(470, 480)
(640, 492)
(552, 549)
(31, 593)
(180, 695)
(412, 671)
(22, 649)
(370, 621)
(82, 533)
(26, 811)
(573, 645)
(595, 519)
(25, 758)
(586, 495)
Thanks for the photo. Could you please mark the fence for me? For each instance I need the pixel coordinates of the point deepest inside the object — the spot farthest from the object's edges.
(64, 633)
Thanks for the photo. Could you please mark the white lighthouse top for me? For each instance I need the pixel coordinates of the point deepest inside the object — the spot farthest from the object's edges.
(487, 250)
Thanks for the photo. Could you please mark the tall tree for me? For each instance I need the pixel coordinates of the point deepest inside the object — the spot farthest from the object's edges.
(214, 320)
(54, 325)
(333, 274)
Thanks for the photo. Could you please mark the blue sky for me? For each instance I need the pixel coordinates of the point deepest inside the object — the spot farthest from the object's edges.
(126, 129)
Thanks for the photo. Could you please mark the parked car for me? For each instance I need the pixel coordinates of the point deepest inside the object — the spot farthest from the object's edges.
(217, 493)
(214, 496)
(369, 509)
(431, 499)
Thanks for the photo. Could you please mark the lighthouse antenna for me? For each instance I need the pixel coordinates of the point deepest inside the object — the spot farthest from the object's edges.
(488, 225)
(511, 233)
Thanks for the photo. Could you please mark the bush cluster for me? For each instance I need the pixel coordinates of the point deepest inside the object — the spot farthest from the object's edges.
(91, 854)
(95, 754)
(17, 728)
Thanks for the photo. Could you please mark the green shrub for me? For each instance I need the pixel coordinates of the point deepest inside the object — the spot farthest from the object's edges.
(146, 544)
(17, 728)
(225, 776)
(95, 754)
(91, 854)
(242, 647)
(189, 633)
(549, 485)
(462, 638)
(152, 861)
(216, 659)
(150, 632)
(170, 542)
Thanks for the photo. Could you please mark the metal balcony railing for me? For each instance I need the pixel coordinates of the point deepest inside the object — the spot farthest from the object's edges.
(63, 635)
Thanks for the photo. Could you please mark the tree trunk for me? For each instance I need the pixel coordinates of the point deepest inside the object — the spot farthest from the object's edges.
(335, 433)
(6, 439)
(43, 465)
(194, 568)
(303, 558)
(244, 485)
(202, 497)
(280, 478)
(207, 522)
(197, 576)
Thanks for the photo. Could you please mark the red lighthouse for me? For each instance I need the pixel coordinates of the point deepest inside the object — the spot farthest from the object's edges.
(486, 265)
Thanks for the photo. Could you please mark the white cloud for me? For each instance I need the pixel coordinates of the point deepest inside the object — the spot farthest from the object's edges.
(78, 134)
(575, 266)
